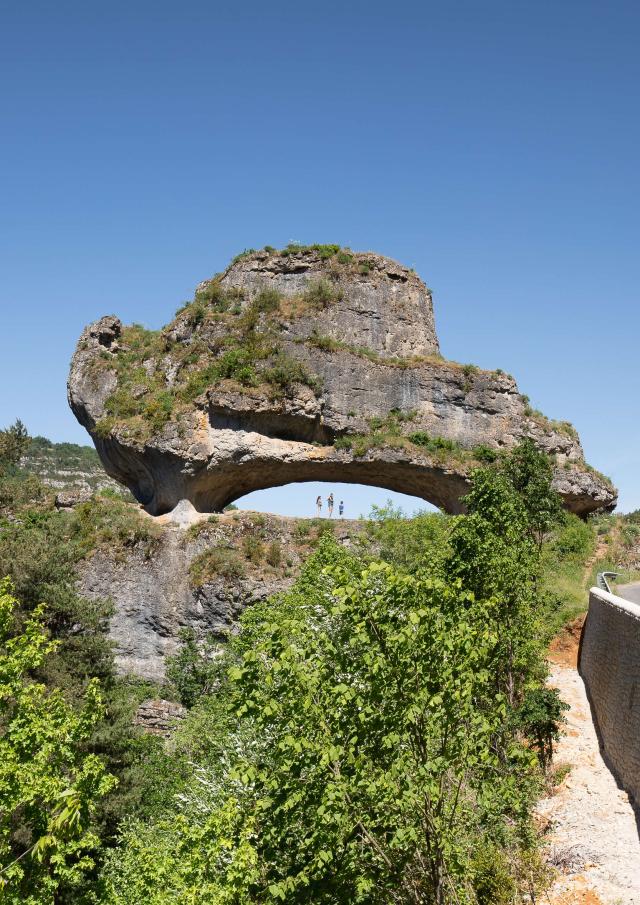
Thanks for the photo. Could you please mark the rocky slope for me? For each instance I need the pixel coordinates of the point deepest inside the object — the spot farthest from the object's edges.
(68, 468)
(199, 578)
(308, 364)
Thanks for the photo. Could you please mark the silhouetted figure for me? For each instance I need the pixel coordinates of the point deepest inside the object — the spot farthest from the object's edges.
(341, 508)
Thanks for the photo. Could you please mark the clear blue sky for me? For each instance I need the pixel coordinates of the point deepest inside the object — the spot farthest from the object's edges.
(493, 146)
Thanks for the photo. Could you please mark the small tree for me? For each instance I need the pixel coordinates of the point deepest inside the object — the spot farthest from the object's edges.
(531, 474)
(374, 693)
(539, 716)
(48, 785)
(496, 554)
(14, 442)
(194, 670)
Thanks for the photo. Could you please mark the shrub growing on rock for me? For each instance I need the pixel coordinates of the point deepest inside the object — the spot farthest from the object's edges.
(214, 562)
(321, 294)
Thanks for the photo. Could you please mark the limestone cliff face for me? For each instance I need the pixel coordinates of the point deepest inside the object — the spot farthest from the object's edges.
(303, 366)
(158, 592)
(384, 306)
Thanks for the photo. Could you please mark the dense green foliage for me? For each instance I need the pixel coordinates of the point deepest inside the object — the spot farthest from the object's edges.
(380, 723)
(193, 671)
(377, 734)
(49, 788)
(39, 551)
(353, 739)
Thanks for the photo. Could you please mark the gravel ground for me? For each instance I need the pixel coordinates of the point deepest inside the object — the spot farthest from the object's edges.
(593, 830)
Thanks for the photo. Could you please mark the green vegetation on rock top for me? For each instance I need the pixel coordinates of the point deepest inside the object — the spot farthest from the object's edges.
(393, 432)
(228, 342)
(293, 248)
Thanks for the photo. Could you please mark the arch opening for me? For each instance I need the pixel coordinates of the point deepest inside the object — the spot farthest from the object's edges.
(298, 500)
(211, 490)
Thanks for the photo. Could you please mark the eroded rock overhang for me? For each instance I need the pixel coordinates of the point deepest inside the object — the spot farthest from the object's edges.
(300, 367)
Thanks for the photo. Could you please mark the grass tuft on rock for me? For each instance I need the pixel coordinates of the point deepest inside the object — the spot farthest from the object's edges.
(216, 562)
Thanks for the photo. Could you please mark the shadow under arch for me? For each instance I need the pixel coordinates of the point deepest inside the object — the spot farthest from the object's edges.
(435, 485)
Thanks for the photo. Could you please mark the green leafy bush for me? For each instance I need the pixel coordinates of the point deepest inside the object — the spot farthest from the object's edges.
(285, 372)
(320, 294)
(485, 454)
(21, 489)
(236, 364)
(253, 549)
(274, 554)
(267, 301)
(49, 784)
(406, 543)
(421, 438)
(539, 716)
(193, 670)
(302, 529)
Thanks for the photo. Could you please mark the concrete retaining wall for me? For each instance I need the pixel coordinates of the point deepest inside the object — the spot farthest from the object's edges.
(610, 667)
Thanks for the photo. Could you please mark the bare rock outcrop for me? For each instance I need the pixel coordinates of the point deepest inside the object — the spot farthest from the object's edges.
(200, 578)
(159, 717)
(307, 364)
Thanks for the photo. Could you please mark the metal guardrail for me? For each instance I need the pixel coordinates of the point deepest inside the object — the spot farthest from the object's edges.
(603, 584)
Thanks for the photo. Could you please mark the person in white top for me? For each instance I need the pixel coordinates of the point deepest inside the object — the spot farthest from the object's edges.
(318, 505)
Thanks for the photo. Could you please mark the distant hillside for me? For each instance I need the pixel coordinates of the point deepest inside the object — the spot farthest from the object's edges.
(67, 465)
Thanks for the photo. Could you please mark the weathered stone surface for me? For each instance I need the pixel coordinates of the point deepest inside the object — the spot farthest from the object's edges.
(159, 717)
(154, 595)
(73, 496)
(372, 351)
(388, 309)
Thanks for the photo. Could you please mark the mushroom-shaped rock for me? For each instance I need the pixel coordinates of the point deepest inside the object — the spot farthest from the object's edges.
(309, 364)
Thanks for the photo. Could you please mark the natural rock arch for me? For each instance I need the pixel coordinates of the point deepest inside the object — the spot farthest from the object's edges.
(307, 365)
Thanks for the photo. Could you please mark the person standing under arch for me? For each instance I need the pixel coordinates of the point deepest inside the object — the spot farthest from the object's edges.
(330, 505)
(318, 506)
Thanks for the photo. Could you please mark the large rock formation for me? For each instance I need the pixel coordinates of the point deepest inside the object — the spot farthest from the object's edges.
(312, 364)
